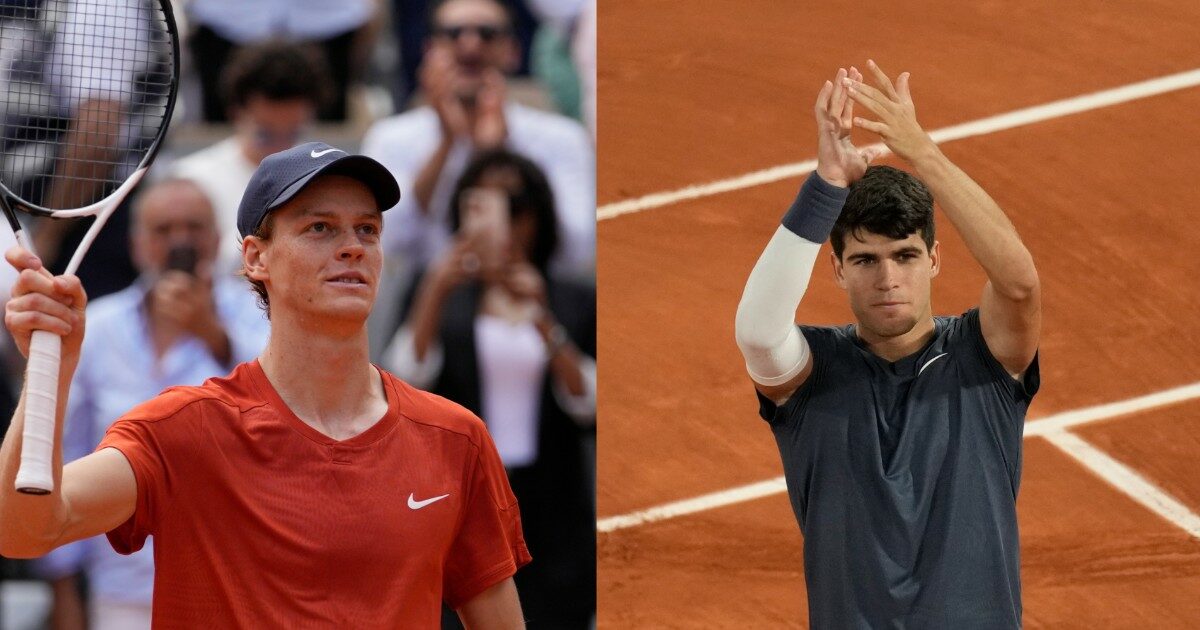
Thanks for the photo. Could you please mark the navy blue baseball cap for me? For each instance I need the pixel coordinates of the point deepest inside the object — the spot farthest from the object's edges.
(283, 175)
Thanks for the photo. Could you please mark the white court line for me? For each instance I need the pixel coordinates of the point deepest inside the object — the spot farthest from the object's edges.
(1016, 118)
(1126, 480)
(1047, 426)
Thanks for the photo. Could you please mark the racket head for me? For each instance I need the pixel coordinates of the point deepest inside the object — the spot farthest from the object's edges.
(49, 56)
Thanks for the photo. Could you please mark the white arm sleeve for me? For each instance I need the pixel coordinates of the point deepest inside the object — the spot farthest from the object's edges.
(765, 327)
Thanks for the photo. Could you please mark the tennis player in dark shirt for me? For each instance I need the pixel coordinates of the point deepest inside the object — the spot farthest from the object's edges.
(900, 434)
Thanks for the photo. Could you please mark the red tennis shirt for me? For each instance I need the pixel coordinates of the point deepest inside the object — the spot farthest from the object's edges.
(261, 521)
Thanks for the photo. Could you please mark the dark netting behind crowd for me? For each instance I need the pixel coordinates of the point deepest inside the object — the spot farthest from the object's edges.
(84, 91)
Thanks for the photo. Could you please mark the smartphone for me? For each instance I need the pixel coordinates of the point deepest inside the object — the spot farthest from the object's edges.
(182, 258)
(486, 220)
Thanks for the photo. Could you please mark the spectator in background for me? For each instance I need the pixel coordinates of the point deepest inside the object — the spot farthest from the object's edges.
(179, 324)
(490, 329)
(343, 30)
(469, 51)
(272, 92)
(411, 24)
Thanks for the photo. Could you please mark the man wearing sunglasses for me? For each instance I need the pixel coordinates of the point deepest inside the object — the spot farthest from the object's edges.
(470, 50)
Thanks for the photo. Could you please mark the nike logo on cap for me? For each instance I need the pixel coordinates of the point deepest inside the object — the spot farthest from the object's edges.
(930, 361)
(416, 505)
(315, 153)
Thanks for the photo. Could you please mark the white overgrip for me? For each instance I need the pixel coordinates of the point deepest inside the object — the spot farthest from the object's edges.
(36, 474)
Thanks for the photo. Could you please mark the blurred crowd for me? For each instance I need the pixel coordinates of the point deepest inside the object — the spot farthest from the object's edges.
(484, 110)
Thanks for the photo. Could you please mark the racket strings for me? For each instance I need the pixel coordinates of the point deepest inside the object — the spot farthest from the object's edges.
(84, 91)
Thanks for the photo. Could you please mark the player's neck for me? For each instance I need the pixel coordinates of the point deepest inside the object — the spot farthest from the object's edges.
(327, 381)
(900, 346)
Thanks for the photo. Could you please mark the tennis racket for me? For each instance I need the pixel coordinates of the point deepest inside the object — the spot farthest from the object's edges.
(87, 88)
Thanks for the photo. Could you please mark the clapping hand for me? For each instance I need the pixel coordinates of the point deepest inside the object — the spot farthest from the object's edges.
(491, 127)
(838, 161)
(438, 76)
(892, 104)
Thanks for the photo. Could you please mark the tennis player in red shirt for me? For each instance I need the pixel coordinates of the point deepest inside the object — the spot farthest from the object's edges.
(307, 488)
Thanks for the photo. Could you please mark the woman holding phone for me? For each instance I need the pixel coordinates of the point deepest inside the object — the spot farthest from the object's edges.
(485, 326)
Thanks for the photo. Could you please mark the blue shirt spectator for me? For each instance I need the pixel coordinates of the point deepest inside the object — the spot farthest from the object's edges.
(139, 343)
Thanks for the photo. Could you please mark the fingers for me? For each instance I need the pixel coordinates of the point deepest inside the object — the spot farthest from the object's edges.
(902, 88)
(822, 105)
(22, 259)
(882, 80)
(870, 125)
(847, 113)
(40, 281)
(837, 101)
(23, 323)
(870, 98)
(72, 288)
(39, 312)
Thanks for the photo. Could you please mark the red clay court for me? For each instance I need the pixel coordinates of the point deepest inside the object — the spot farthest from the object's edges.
(1096, 166)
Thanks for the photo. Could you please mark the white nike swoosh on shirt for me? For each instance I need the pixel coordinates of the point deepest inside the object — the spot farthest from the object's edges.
(318, 154)
(416, 505)
(930, 361)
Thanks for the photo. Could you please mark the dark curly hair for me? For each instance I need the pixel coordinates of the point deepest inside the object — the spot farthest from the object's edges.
(277, 70)
(535, 197)
(886, 201)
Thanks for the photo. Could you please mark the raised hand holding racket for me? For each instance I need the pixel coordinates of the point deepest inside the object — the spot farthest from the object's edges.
(86, 94)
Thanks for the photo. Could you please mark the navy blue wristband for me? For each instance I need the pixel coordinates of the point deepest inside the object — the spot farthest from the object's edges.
(816, 209)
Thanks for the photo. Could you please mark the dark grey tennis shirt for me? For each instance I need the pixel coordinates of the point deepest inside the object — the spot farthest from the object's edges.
(903, 477)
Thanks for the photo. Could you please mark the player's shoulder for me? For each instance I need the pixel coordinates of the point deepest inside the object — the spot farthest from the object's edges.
(430, 410)
(827, 336)
(956, 327)
(218, 396)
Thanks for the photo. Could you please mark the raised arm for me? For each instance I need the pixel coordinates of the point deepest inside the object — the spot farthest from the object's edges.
(777, 355)
(1010, 310)
(96, 493)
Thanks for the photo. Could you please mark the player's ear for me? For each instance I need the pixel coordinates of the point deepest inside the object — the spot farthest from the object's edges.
(837, 269)
(254, 258)
(935, 258)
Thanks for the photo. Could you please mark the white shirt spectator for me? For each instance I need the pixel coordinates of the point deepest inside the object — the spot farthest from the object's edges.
(118, 31)
(222, 172)
(246, 21)
(559, 146)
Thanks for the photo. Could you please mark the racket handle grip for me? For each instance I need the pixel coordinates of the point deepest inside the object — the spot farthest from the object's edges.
(36, 474)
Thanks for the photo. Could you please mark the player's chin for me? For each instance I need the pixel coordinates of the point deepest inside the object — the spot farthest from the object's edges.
(346, 311)
(889, 322)
(351, 302)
